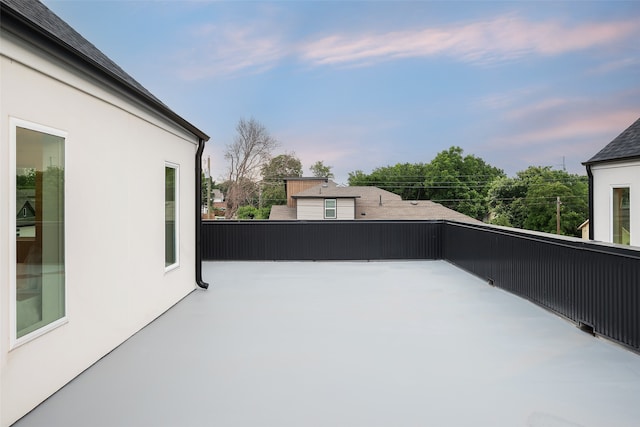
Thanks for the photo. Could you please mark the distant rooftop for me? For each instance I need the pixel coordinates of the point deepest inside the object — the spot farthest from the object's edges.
(373, 203)
(408, 343)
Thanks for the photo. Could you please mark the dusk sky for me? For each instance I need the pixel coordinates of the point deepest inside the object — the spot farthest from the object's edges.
(365, 84)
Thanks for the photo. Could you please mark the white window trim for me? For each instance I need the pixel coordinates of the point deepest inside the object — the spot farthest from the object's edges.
(611, 188)
(335, 209)
(13, 340)
(177, 215)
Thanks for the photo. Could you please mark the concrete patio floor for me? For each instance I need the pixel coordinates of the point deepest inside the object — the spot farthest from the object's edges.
(409, 343)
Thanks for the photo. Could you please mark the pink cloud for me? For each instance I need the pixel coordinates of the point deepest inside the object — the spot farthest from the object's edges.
(225, 50)
(586, 126)
(502, 39)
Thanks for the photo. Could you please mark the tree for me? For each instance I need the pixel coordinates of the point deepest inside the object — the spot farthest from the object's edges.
(456, 181)
(506, 202)
(319, 170)
(250, 212)
(530, 200)
(460, 183)
(282, 166)
(250, 150)
(273, 173)
(404, 179)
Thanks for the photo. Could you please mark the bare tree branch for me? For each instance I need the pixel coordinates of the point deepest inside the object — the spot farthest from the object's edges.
(250, 151)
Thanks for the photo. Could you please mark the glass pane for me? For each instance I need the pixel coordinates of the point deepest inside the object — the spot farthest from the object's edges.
(40, 270)
(170, 216)
(621, 216)
(329, 208)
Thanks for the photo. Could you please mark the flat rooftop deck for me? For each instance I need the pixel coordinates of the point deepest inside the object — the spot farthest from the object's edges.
(410, 343)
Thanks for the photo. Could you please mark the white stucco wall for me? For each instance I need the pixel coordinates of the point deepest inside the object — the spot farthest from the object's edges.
(313, 209)
(605, 178)
(114, 220)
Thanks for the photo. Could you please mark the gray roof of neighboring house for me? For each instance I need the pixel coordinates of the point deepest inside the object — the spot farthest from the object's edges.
(374, 203)
(39, 20)
(624, 146)
(331, 190)
(410, 210)
(282, 212)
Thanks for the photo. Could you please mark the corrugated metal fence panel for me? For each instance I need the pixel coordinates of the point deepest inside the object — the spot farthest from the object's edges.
(594, 284)
(320, 240)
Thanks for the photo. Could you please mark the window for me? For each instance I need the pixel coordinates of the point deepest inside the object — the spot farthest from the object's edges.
(621, 232)
(171, 242)
(330, 208)
(39, 291)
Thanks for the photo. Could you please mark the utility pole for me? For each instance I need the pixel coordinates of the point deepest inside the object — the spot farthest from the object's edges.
(558, 203)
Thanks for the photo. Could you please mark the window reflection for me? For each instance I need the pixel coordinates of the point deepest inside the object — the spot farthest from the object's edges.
(40, 267)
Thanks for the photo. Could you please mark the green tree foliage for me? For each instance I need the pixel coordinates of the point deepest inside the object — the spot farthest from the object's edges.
(27, 179)
(456, 181)
(251, 212)
(282, 166)
(404, 179)
(530, 200)
(318, 169)
(460, 182)
(273, 173)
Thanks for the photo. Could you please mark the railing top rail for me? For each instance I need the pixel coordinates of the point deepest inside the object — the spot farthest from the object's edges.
(564, 241)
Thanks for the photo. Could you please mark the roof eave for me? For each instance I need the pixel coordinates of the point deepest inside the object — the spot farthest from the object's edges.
(324, 196)
(612, 160)
(8, 13)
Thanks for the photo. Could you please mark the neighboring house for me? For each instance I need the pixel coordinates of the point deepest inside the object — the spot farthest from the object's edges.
(614, 189)
(217, 204)
(327, 201)
(218, 197)
(83, 147)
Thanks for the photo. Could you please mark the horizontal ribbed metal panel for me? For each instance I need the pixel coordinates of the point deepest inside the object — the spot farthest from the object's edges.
(320, 240)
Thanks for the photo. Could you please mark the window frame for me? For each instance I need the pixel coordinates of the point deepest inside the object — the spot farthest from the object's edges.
(176, 226)
(334, 208)
(14, 341)
(612, 211)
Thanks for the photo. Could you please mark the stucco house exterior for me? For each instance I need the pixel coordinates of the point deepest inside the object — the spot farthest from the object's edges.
(614, 189)
(325, 200)
(82, 147)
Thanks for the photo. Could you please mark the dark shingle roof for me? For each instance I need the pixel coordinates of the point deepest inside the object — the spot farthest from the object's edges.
(39, 19)
(624, 146)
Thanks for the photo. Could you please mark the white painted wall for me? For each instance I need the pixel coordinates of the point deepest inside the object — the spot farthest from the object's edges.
(605, 178)
(114, 217)
(346, 208)
(310, 209)
(313, 209)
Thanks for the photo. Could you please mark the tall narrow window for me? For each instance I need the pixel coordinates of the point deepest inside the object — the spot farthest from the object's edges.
(171, 216)
(621, 218)
(39, 244)
(330, 208)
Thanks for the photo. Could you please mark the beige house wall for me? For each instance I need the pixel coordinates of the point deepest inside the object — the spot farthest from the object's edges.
(313, 209)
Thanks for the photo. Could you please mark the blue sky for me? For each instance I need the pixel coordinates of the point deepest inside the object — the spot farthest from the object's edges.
(365, 84)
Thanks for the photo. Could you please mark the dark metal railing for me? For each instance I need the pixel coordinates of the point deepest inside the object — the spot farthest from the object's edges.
(595, 285)
(320, 240)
